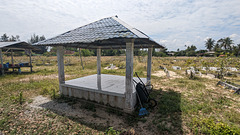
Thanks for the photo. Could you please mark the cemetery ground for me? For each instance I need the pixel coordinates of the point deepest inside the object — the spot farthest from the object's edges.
(30, 103)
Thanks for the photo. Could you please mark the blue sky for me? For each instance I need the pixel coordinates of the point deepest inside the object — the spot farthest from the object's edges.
(172, 23)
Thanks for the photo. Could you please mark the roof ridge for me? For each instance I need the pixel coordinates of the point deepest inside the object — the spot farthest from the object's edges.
(135, 31)
(71, 30)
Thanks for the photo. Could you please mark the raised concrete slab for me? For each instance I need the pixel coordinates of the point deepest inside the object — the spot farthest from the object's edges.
(109, 84)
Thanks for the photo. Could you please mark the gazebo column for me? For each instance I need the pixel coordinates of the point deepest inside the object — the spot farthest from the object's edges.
(99, 68)
(1, 58)
(129, 101)
(149, 65)
(61, 76)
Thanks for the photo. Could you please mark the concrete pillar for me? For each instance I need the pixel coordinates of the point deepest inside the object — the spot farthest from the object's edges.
(61, 76)
(99, 68)
(129, 103)
(99, 61)
(1, 58)
(149, 64)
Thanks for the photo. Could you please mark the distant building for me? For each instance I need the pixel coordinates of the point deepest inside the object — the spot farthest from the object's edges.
(210, 53)
(171, 53)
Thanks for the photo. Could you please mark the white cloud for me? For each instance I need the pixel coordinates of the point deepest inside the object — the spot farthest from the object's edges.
(173, 23)
(234, 36)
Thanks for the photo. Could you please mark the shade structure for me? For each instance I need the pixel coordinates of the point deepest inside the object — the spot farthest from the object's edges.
(17, 45)
(107, 33)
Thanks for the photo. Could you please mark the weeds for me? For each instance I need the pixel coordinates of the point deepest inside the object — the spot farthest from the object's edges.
(20, 98)
(111, 131)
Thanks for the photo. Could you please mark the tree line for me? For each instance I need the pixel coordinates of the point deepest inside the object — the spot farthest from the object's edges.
(85, 52)
(222, 46)
(213, 48)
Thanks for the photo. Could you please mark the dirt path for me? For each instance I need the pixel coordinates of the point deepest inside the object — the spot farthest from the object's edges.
(100, 117)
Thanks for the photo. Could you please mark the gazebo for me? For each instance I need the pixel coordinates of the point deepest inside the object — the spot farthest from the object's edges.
(107, 33)
(16, 46)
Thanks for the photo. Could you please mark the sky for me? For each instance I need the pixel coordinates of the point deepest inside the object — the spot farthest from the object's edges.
(173, 23)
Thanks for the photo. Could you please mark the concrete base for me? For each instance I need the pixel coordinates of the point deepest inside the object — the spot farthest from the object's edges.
(105, 89)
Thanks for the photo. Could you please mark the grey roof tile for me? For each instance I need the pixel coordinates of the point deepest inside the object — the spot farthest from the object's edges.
(111, 28)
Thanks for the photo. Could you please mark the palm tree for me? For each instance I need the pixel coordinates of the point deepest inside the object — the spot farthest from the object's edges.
(221, 43)
(217, 47)
(209, 43)
(238, 46)
(226, 43)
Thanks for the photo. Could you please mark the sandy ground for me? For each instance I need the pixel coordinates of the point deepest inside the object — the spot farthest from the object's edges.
(41, 77)
(75, 110)
(209, 76)
(161, 73)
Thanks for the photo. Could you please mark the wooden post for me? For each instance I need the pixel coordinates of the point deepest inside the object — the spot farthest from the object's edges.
(99, 68)
(149, 65)
(129, 103)
(61, 76)
(12, 56)
(1, 57)
(30, 58)
(80, 54)
(12, 60)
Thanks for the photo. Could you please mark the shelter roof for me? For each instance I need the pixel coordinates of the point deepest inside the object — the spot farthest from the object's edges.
(109, 33)
(17, 45)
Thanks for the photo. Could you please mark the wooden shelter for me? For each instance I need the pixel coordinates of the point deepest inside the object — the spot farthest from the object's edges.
(107, 33)
(15, 46)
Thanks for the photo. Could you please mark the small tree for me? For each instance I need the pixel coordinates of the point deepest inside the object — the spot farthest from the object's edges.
(206, 64)
(223, 62)
(4, 38)
(35, 39)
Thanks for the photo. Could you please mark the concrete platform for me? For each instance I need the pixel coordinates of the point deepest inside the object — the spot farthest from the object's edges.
(106, 89)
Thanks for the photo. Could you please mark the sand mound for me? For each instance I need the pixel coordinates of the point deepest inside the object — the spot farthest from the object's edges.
(161, 73)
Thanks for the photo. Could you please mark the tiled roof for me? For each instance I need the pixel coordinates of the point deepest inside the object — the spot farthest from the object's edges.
(108, 33)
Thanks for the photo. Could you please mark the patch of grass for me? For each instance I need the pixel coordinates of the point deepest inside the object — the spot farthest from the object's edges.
(169, 110)
(111, 71)
(211, 126)
(51, 115)
(183, 112)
